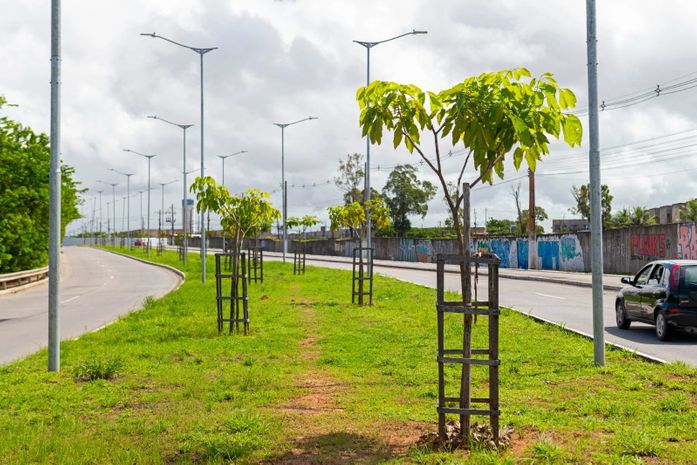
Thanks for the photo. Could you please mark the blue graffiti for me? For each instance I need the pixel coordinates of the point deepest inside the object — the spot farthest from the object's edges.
(407, 250)
(523, 251)
(548, 253)
(502, 249)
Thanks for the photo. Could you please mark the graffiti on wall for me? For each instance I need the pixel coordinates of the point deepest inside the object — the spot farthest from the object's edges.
(523, 252)
(687, 241)
(647, 246)
(560, 253)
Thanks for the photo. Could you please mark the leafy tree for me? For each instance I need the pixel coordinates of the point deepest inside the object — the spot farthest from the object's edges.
(621, 219)
(24, 196)
(293, 222)
(582, 197)
(496, 227)
(304, 223)
(540, 215)
(350, 177)
(354, 216)
(240, 215)
(640, 216)
(492, 115)
(405, 195)
(688, 213)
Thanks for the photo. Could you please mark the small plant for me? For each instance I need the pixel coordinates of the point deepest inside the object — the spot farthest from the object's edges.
(90, 370)
(638, 442)
(545, 451)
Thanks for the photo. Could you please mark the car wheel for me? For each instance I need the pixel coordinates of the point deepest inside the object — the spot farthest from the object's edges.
(621, 316)
(663, 331)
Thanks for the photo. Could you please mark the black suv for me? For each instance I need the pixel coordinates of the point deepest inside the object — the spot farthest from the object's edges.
(663, 293)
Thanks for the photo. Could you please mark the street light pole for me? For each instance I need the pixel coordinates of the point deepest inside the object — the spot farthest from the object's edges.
(183, 127)
(113, 204)
(128, 200)
(54, 194)
(201, 52)
(223, 158)
(149, 158)
(283, 127)
(368, 46)
(594, 187)
(142, 220)
(162, 209)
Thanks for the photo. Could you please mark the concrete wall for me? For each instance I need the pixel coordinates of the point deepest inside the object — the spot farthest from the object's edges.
(625, 250)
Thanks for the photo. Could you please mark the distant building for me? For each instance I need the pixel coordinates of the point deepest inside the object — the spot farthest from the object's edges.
(667, 214)
(571, 225)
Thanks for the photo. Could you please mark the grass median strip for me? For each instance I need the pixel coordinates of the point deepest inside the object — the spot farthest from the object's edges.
(319, 380)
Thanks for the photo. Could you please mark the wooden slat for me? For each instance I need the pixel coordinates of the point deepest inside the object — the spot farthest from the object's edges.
(469, 361)
(468, 411)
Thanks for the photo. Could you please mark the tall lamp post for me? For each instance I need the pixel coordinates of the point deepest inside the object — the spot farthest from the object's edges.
(113, 203)
(162, 209)
(284, 211)
(148, 157)
(368, 46)
(223, 158)
(201, 52)
(183, 127)
(128, 200)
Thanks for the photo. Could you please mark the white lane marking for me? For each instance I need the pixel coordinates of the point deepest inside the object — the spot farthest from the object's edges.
(70, 299)
(550, 296)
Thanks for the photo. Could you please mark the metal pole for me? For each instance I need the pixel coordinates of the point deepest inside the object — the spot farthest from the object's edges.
(367, 167)
(147, 236)
(128, 216)
(142, 227)
(54, 194)
(203, 224)
(595, 204)
(283, 191)
(185, 241)
(100, 212)
(113, 207)
(532, 226)
(223, 160)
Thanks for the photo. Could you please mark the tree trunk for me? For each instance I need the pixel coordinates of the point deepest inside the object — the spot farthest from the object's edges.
(464, 237)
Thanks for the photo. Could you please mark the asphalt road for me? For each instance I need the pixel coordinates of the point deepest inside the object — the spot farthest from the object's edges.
(564, 304)
(97, 287)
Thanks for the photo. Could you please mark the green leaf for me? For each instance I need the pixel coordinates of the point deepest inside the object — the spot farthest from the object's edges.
(397, 139)
(573, 130)
(518, 157)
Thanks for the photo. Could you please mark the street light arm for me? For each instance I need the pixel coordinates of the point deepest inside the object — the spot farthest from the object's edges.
(183, 126)
(373, 44)
(232, 154)
(195, 49)
(284, 125)
(138, 153)
(120, 172)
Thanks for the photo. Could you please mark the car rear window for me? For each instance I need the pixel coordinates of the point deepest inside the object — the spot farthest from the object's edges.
(688, 278)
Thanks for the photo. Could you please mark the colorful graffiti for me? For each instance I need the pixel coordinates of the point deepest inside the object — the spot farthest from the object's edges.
(648, 245)
(687, 241)
(548, 254)
(523, 253)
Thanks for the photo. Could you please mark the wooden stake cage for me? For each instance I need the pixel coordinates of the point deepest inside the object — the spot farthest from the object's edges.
(362, 284)
(298, 258)
(466, 355)
(237, 298)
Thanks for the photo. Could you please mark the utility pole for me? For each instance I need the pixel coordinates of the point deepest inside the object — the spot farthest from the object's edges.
(594, 168)
(532, 226)
(54, 194)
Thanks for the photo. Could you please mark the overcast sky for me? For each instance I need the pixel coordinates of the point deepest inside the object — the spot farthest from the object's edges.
(279, 61)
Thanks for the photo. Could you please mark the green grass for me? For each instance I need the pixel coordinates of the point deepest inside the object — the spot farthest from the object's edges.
(319, 380)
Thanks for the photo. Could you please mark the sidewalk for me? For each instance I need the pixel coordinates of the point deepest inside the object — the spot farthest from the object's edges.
(611, 282)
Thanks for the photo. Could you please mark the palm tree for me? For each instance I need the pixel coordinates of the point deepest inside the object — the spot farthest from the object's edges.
(688, 213)
(640, 216)
(621, 219)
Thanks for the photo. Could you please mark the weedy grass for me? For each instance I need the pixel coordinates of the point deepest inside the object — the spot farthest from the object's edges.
(319, 380)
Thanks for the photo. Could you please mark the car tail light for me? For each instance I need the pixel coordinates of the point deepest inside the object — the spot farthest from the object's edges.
(674, 276)
(673, 310)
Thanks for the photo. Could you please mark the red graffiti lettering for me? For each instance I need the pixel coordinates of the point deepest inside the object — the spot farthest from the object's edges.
(647, 245)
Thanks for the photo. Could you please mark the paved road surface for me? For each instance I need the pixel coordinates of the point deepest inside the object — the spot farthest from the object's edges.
(96, 288)
(561, 303)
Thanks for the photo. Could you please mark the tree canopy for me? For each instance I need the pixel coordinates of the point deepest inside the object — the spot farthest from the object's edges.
(353, 216)
(492, 115)
(24, 196)
(582, 198)
(405, 195)
(350, 177)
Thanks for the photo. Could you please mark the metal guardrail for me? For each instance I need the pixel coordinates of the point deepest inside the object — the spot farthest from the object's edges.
(20, 278)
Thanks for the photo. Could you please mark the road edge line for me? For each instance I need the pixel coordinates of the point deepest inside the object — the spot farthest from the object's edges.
(539, 319)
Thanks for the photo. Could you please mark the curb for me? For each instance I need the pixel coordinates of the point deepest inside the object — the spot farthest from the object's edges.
(567, 282)
(147, 262)
(645, 356)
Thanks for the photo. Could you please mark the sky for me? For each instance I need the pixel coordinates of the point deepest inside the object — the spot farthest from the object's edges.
(281, 61)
